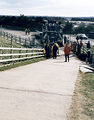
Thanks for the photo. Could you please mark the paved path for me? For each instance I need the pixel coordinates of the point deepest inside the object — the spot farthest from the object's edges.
(40, 91)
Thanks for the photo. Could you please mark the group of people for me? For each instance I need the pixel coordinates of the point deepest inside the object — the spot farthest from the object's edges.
(54, 49)
(76, 48)
(27, 31)
(51, 50)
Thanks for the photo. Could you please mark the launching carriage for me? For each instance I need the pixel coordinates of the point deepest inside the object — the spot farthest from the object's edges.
(52, 32)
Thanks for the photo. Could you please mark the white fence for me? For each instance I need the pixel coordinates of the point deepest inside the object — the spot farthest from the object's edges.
(17, 54)
(26, 41)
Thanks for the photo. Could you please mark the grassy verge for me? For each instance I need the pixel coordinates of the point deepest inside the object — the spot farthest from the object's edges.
(18, 64)
(88, 93)
(83, 100)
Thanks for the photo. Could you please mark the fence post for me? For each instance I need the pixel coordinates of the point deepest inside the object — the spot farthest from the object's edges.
(20, 40)
(1, 52)
(3, 34)
(7, 35)
(11, 51)
(11, 42)
(26, 52)
(29, 42)
(15, 38)
(0, 33)
(25, 42)
(19, 53)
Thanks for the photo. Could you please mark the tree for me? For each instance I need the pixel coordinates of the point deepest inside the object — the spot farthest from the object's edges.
(90, 28)
(80, 29)
(68, 28)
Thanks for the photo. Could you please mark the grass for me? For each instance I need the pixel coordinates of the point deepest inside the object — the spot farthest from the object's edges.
(82, 107)
(18, 64)
(92, 49)
(7, 43)
(88, 93)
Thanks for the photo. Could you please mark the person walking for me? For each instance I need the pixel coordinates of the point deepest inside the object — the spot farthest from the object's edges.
(88, 52)
(88, 45)
(65, 39)
(26, 31)
(55, 48)
(74, 45)
(78, 50)
(48, 50)
(88, 56)
(67, 52)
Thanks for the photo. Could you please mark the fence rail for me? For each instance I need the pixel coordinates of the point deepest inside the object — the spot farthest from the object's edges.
(16, 54)
(26, 41)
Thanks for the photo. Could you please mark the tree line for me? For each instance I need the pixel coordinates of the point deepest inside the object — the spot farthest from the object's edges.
(91, 19)
(21, 22)
(35, 23)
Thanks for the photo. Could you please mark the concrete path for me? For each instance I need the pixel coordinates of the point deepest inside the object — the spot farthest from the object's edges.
(40, 91)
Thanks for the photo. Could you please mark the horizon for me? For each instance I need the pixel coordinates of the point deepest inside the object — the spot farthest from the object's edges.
(50, 16)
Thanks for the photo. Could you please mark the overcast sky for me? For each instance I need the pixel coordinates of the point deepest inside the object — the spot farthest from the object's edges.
(68, 8)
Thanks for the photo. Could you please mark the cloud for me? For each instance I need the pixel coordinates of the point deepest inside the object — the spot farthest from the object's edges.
(47, 7)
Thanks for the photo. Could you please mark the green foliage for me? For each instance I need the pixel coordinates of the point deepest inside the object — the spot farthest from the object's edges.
(7, 43)
(84, 29)
(34, 23)
(80, 29)
(68, 28)
(90, 28)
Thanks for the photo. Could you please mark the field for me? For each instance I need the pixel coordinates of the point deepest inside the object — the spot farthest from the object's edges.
(7, 43)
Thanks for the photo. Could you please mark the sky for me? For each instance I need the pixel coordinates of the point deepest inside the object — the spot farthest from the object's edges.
(63, 8)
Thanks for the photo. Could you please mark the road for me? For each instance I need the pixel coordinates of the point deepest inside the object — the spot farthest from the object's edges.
(39, 91)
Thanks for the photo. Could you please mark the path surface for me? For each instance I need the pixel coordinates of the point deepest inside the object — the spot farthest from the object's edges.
(40, 91)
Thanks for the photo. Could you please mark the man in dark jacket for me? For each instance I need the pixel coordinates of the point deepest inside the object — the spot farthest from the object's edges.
(88, 45)
(48, 50)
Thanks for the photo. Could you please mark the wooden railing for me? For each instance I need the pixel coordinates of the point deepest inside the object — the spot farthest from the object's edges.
(26, 41)
(17, 54)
